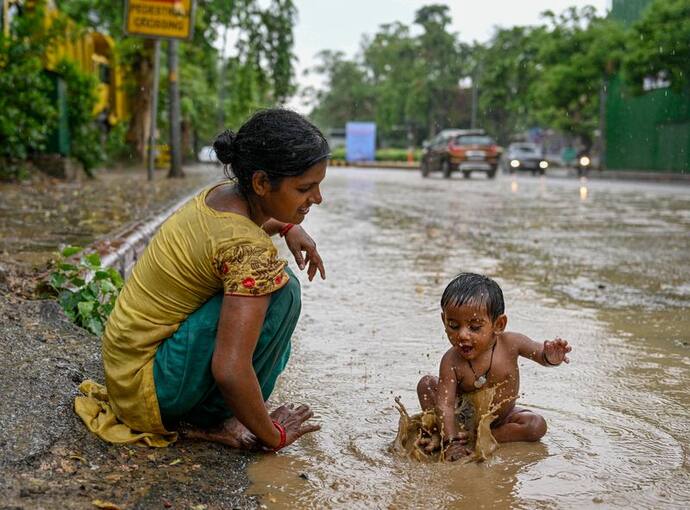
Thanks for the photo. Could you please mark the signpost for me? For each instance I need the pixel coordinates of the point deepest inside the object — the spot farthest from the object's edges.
(167, 19)
(160, 19)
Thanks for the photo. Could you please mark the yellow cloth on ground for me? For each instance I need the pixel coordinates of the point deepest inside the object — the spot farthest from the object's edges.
(94, 408)
(197, 253)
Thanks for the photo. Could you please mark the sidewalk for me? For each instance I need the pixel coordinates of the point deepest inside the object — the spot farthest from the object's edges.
(48, 459)
(37, 217)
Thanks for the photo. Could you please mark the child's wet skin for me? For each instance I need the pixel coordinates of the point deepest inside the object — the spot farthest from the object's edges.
(483, 355)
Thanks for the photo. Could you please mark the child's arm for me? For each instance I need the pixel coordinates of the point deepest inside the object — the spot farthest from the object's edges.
(550, 353)
(446, 393)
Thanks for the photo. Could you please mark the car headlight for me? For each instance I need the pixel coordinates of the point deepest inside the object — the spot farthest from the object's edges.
(543, 164)
(584, 161)
(514, 163)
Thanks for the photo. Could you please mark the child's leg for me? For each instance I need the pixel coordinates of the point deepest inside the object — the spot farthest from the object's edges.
(520, 425)
(426, 392)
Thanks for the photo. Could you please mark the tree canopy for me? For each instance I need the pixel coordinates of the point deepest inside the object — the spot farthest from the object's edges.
(416, 79)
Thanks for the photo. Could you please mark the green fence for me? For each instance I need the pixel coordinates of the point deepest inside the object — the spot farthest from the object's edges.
(58, 140)
(628, 11)
(650, 132)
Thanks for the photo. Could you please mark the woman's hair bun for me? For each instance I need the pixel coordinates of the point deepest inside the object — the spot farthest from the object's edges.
(224, 145)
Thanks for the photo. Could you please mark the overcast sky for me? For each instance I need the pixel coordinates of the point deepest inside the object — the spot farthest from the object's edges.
(340, 24)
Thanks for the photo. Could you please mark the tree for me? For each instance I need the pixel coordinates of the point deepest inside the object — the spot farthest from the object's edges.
(27, 114)
(390, 59)
(408, 84)
(440, 69)
(259, 74)
(507, 70)
(579, 53)
(348, 94)
(658, 46)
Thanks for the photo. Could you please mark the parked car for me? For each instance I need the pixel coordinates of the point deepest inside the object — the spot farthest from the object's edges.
(525, 156)
(461, 150)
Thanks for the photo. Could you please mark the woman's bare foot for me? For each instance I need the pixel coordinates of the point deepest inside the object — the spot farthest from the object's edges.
(231, 433)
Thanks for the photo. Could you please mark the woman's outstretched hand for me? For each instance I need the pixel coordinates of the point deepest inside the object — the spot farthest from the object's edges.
(294, 421)
(299, 241)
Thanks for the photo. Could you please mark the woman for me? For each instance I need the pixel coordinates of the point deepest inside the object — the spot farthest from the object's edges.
(201, 329)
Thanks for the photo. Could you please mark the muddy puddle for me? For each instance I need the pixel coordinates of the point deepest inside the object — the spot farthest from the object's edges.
(605, 265)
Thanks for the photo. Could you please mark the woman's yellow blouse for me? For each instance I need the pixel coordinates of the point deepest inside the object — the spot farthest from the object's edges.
(196, 253)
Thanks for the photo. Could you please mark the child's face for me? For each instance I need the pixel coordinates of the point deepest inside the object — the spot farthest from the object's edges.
(470, 329)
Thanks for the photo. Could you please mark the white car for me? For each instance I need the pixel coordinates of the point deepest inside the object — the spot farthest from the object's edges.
(525, 156)
(207, 154)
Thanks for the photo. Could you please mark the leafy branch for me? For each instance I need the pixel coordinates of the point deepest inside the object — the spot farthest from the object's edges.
(86, 290)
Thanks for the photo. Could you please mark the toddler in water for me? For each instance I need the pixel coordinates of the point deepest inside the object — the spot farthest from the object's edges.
(482, 354)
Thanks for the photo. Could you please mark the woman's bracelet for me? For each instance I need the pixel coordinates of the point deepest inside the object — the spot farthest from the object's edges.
(546, 360)
(286, 228)
(283, 436)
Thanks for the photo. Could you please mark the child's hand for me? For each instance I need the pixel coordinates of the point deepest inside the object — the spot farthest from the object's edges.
(456, 451)
(429, 444)
(555, 351)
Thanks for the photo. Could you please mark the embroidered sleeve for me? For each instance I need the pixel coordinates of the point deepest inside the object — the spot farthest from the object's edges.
(250, 269)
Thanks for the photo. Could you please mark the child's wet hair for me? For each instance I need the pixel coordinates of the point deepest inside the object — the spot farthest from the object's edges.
(476, 290)
(278, 141)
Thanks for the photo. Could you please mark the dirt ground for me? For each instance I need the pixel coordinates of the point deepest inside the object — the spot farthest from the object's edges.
(48, 459)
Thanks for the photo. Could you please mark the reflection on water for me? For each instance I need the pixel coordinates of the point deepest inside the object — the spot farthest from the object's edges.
(610, 275)
(584, 191)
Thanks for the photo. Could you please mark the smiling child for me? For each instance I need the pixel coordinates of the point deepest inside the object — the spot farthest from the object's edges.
(483, 354)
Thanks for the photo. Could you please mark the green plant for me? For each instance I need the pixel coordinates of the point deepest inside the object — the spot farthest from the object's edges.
(338, 153)
(116, 147)
(399, 155)
(27, 115)
(81, 99)
(85, 290)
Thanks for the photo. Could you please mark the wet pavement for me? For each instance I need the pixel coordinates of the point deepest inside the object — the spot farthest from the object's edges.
(604, 264)
(48, 459)
(38, 216)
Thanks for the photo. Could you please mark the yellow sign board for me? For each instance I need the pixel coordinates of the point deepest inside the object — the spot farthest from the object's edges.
(170, 19)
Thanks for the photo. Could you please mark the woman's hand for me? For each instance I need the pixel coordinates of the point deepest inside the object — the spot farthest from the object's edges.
(299, 241)
(293, 420)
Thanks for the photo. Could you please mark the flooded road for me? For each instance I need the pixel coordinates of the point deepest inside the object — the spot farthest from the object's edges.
(605, 265)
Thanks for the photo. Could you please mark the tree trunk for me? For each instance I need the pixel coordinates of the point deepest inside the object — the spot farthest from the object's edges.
(140, 121)
(174, 111)
(187, 149)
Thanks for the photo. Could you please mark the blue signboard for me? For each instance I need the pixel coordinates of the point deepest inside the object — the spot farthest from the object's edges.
(360, 141)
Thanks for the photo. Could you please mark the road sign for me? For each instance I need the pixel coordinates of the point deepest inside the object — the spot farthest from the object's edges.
(168, 19)
(360, 141)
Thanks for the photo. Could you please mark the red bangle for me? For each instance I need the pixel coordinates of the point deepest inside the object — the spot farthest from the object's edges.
(286, 228)
(283, 436)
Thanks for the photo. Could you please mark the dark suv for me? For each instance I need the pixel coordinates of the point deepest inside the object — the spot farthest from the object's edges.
(461, 150)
